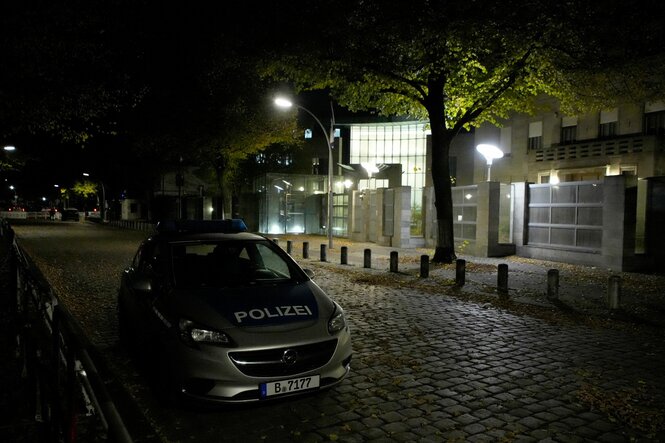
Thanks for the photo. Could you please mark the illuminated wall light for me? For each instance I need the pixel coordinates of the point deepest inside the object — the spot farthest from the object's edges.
(275, 229)
(468, 196)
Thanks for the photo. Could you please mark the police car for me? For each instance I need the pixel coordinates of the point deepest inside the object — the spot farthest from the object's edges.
(226, 315)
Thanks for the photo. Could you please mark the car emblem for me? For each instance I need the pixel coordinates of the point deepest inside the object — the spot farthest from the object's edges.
(290, 357)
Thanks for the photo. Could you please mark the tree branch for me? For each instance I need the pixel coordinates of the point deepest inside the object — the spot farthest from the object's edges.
(481, 105)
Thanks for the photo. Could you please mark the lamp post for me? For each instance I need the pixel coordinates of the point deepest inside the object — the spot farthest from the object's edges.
(490, 152)
(85, 174)
(285, 103)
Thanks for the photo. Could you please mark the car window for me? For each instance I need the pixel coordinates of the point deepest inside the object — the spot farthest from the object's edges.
(227, 263)
(150, 259)
(272, 261)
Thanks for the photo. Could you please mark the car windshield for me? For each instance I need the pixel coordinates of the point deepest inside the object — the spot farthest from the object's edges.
(228, 263)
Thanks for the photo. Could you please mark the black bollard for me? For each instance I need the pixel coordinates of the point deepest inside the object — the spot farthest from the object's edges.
(344, 255)
(305, 249)
(324, 254)
(367, 262)
(460, 272)
(289, 247)
(553, 284)
(424, 266)
(393, 261)
(502, 279)
(614, 292)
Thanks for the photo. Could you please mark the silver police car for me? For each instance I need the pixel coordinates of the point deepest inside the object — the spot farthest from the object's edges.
(226, 315)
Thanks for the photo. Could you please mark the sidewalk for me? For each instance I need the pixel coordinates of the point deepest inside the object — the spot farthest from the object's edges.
(582, 292)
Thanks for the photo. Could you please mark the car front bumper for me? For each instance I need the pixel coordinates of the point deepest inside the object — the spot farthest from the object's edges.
(213, 373)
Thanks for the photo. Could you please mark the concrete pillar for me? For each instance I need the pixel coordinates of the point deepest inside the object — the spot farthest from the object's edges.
(520, 214)
(619, 212)
(487, 218)
(383, 240)
(429, 216)
(402, 236)
(357, 215)
(488, 221)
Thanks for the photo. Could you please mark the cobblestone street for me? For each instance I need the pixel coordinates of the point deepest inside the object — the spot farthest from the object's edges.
(427, 366)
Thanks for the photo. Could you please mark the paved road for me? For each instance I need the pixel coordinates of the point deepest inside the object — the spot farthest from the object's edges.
(427, 366)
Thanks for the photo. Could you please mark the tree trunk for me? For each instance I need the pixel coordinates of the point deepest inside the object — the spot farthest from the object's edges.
(441, 140)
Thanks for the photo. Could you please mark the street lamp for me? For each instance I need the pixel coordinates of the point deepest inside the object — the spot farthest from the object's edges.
(85, 174)
(285, 103)
(490, 152)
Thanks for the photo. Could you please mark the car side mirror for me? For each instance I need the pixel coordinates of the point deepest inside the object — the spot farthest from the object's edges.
(309, 272)
(142, 284)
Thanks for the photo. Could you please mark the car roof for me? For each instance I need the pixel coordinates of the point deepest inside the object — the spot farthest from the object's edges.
(207, 236)
(207, 230)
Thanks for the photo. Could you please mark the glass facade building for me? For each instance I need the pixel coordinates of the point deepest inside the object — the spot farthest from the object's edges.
(390, 143)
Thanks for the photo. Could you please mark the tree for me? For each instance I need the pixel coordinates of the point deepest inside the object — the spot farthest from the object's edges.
(63, 59)
(133, 85)
(455, 64)
(204, 101)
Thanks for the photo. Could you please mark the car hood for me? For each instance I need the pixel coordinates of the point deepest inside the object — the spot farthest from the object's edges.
(261, 305)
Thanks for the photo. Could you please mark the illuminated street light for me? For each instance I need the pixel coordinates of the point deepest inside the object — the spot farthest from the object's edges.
(490, 152)
(9, 148)
(285, 103)
(371, 168)
(103, 214)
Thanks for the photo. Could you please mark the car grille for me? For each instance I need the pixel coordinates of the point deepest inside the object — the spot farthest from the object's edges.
(275, 362)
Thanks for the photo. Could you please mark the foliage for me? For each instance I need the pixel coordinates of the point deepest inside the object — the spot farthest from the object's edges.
(135, 86)
(456, 64)
(63, 78)
(84, 188)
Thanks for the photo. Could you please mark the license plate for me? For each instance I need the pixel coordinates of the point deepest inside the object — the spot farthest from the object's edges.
(288, 386)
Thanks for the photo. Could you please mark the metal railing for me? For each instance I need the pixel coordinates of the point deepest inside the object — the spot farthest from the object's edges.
(70, 397)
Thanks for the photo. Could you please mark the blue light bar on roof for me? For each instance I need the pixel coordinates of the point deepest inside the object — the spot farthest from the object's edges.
(228, 226)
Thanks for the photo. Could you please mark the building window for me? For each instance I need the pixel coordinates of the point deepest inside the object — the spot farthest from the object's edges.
(568, 134)
(535, 135)
(535, 143)
(608, 123)
(654, 123)
(607, 130)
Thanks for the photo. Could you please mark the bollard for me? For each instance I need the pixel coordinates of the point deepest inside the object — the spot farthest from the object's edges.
(553, 284)
(614, 292)
(324, 254)
(305, 249)
(344, 256)
(367, 262)
(424, 266)
(393, 261)
(502, 279)
(289, 247)
(460, 272)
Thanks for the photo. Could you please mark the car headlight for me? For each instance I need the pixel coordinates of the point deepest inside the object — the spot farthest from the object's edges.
(194, 334)
(337, 322)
